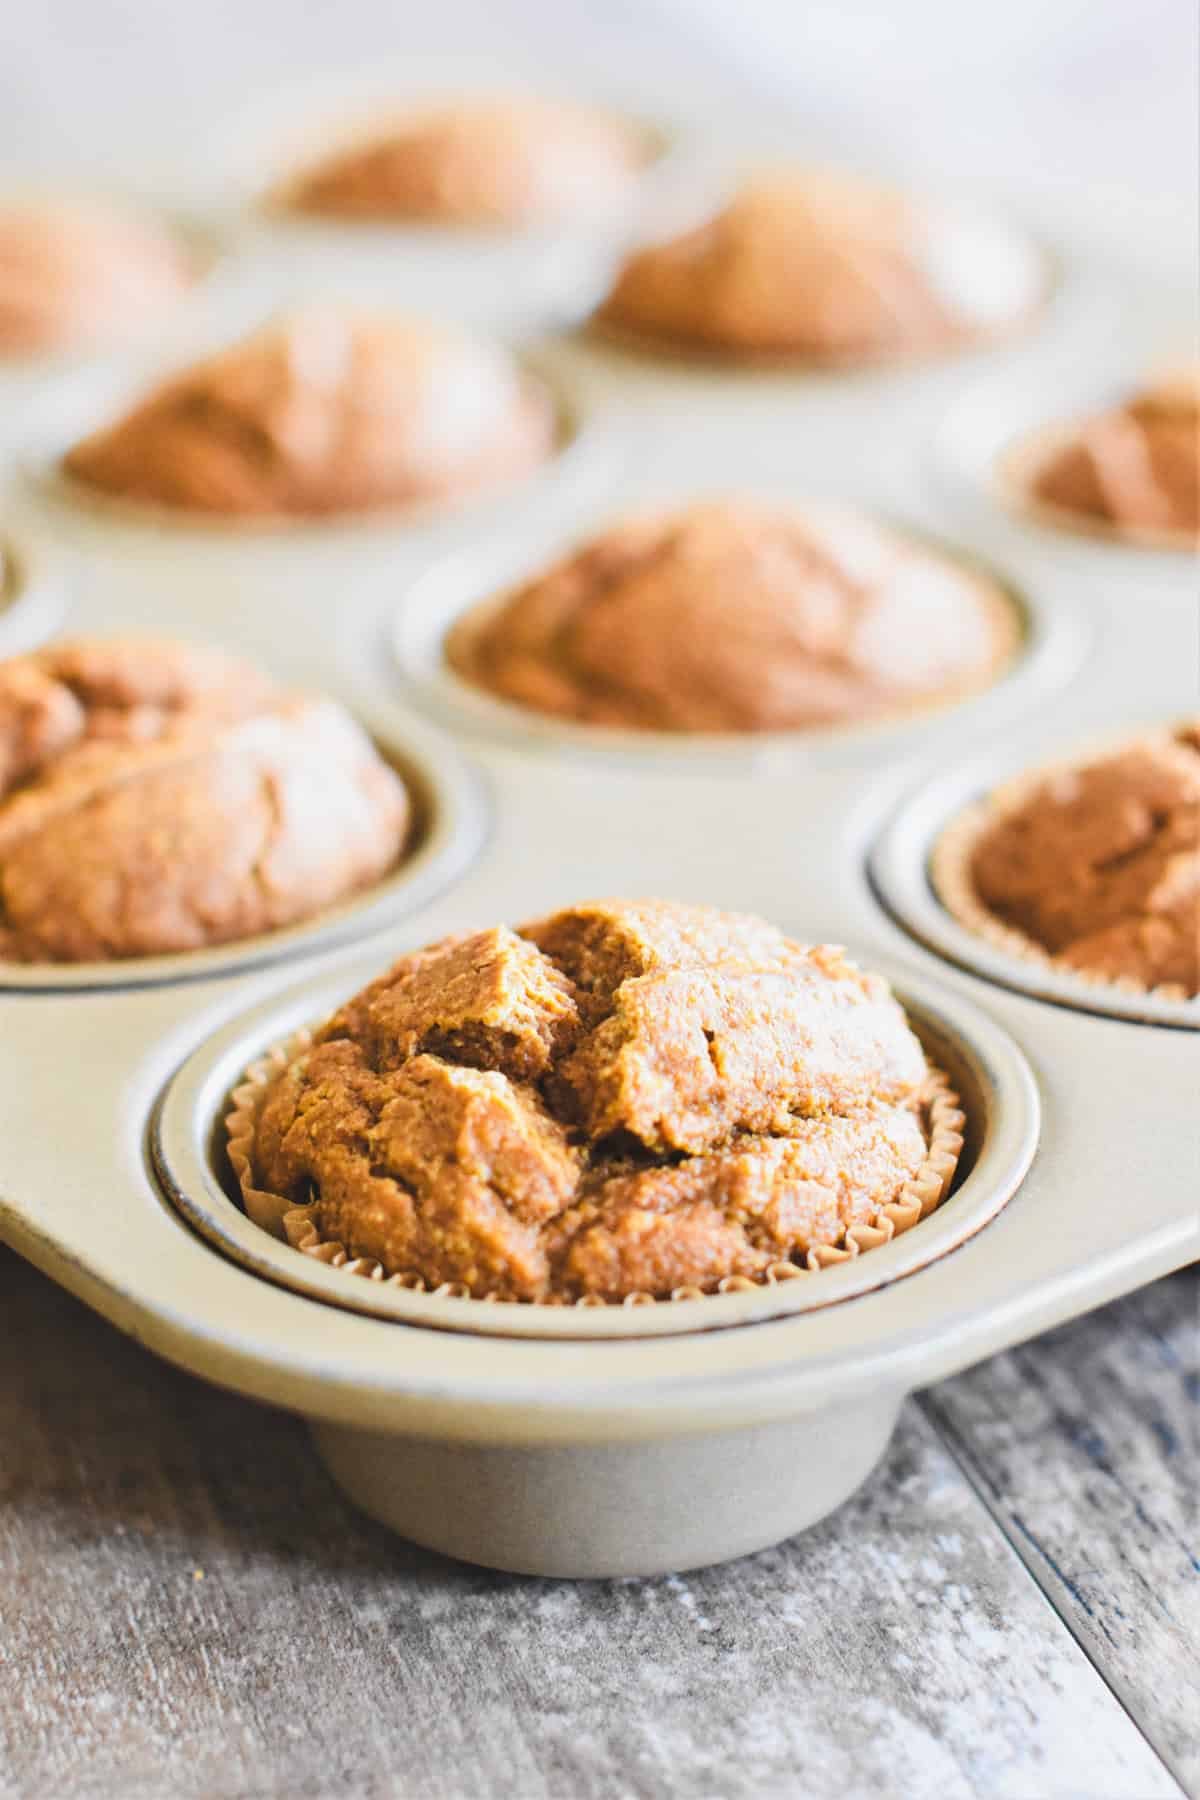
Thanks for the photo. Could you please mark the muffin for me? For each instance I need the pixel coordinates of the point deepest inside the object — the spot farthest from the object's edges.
(734, 616)
(813, 267)
(496, 163)
(1093, 866)
(72, 277)
(625, 1098)
(326, 411)
(159, 796)
(1134, 470)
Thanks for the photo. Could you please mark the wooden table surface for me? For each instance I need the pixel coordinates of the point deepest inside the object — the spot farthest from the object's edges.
(1011, 1606)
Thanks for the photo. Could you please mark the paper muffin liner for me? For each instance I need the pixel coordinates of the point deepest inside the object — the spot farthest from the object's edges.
(950, 862)
(1015, 472)
(297, 1225)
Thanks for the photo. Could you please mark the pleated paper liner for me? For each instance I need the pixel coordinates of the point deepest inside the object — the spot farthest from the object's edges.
(950, 863)
(1015, 473)
(942, 1117)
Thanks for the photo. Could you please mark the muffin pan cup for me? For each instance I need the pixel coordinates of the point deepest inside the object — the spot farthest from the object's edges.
(585, 1455)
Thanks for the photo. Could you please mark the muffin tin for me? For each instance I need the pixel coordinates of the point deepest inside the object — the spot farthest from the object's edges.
(457, 1422)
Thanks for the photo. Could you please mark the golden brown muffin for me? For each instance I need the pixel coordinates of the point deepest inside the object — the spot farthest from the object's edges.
(72, 276)
(738, 617)
(326, 411)
(808, 266)
(625, 1097)
(1136, 468)
(159, 796)
(492, 163)
(1100, 864)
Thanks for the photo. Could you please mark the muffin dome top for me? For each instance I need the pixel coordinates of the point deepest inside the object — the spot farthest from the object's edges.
(323, 411)
(483, 162)
(72, 276)
(621, 1098)
(1136, 467)
(807, 265)
(158, 796)
(1100, 864)
(737, 616)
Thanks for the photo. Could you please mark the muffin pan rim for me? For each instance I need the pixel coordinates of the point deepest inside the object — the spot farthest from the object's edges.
(899, 871)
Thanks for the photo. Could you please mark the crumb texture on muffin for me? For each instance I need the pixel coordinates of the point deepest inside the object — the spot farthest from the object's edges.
(484, 162)
(736, 616)
(326, 410)
(72, 275)
(814, 266)
(1136, 467)
(622, 1098)
(158, 796)
(1100, 864)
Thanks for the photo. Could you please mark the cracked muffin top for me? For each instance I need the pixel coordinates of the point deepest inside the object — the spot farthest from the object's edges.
(625, 1097)
(73, 276)
(1100, 864)
(487, 162)
(1137, 467)
(159, 796)
(736, 616)
(816, 267)
(327, 410)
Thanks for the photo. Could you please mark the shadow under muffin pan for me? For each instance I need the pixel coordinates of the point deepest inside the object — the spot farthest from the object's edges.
(95, 396)
(449, 824)
(902, 873)
(32, 600)
(1053, 642)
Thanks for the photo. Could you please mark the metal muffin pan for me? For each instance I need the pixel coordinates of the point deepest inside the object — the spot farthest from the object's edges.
(584, 1456)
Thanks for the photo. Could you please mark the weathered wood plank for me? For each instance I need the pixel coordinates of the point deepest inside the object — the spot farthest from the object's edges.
(189, 1608)
(1085, 1446)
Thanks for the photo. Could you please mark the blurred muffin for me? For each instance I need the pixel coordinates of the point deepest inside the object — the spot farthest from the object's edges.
(1095, 866)
(1134, 469)
(72, 277)
(159, 796)
(623, 1098)
(816, 267)
(734, 616)
(327, 411)
(489, 162)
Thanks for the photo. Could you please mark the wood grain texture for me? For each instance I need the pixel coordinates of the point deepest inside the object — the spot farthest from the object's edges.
(1085, 1447)
(189, 1608)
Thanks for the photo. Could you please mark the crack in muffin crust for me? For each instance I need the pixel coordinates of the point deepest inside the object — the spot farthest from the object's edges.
(626, 1098)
